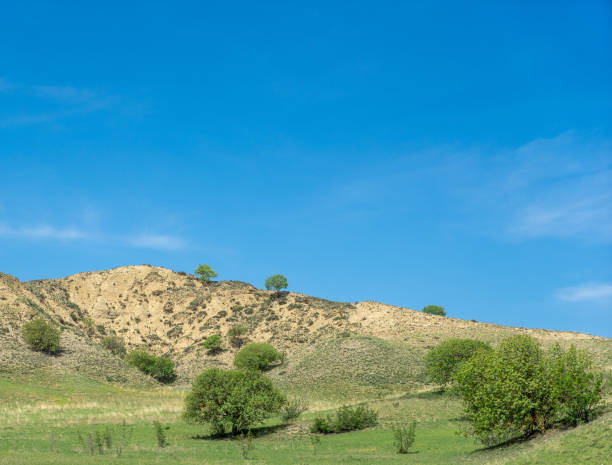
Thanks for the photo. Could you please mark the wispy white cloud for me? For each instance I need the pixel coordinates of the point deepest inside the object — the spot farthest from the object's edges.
(47, 232)
(585, 292)
(159, 242)
(29, 119)
(64, 102)
(559, 188)
(63, 93)
(43, 232)
(588, 216)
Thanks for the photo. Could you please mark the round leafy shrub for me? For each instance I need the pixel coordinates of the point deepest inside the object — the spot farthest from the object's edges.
(42, 336)
(444, 360)
(257, 356)
(575, 388)
(518, 389)
(434, 310)
(231, 399)
(212, 343)
(160, 368)
(115, 345)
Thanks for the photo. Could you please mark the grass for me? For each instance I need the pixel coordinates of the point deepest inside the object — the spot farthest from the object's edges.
(48, 419)
(348, 369)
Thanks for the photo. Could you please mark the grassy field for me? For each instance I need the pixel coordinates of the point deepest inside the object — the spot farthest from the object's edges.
(53, 419)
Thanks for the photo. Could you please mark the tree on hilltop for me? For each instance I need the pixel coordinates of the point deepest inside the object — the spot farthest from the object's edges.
(276, 282)
(204, 273)
(434, 310)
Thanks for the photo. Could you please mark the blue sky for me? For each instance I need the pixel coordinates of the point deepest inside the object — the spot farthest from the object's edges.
(414, 153)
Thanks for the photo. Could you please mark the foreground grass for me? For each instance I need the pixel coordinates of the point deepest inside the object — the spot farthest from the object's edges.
(55, 421)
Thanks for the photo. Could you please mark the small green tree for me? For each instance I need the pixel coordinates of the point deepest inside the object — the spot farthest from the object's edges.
(115, 345)
(160, 368)
(257, 356)
(276, 282)
(204, 273)
(434, 310)
(42, 336)
(232, 400)
(213, 343)
(442, 361)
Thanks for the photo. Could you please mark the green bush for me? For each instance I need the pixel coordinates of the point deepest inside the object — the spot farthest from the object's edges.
(322, 425)
(115, 345)
(257, 356)
(575, 389)
(403, 437)
(212, 343)
(231, 400)
(160, 368)
(346, 419)
(518, 389)
(42, 336)
(444, 360)
(434, 310)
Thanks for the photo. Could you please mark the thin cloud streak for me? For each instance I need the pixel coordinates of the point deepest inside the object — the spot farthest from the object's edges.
(43, 232)
(68, 101)
(545, 188)
(585, 292)
(63, 93)
(48, 232)
(158, 242)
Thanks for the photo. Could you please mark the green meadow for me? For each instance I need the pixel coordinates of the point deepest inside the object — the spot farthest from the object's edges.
(64, 418)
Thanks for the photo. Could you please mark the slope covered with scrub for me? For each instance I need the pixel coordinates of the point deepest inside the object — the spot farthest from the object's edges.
(336, 353)
(172, 313)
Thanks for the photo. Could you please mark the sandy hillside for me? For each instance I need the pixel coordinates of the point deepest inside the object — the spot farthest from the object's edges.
(172, 313)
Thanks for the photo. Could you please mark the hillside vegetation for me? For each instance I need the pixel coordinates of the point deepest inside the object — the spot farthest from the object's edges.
(335, 353)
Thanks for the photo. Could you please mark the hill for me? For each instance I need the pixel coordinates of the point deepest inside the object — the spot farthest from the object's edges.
(55, 408)
(172, 313)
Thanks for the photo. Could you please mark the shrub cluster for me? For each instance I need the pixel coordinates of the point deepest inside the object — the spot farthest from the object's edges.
(444, 360)
(42, 336)
(160, 368)
(257, 356)
(519, 389)
(346, 419)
